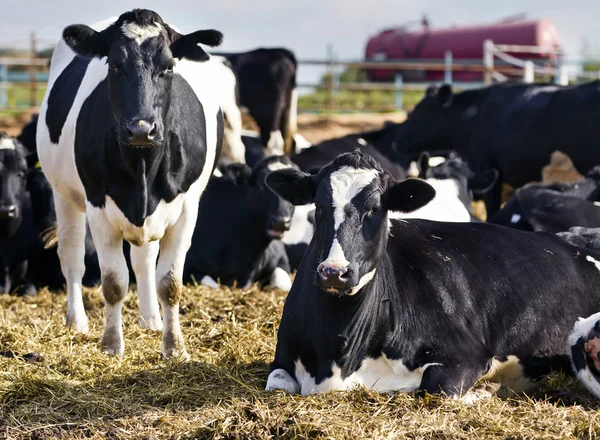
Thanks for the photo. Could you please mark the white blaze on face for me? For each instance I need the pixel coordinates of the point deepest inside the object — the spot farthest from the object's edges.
(7, 143)
(141, 33)
(346, 183)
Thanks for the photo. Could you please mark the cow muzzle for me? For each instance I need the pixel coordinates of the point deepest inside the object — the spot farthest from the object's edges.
(335, 275)
(278, 226)
(141, 133)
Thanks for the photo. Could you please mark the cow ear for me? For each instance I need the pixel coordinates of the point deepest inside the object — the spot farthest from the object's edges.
(85, 41)
(424, 164)
(444, 95)
(292, 185)
(186, 46)
(408, 195)
(482, 182)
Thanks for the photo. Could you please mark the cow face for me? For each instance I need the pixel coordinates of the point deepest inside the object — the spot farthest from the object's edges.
(141, 52)
(352, 196)
(13, 184)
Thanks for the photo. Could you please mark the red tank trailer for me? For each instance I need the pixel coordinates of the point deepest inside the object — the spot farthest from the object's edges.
(465, 43)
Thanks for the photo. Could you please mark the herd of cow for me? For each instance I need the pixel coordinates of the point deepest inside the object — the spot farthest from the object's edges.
(398, 285)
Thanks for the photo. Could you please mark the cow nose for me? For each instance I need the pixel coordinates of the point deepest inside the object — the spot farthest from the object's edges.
(332, 272)
(141, 132)
(279, 225)
(8, 212)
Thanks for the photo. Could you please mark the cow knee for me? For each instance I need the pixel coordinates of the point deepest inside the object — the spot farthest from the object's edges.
(280, 379)
(169, 289)
(113, 288)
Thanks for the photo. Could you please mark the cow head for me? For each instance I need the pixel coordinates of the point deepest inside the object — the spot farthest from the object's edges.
(352, 196)
(261, 207)
(141, 53)
(454, 171)
(13, 184)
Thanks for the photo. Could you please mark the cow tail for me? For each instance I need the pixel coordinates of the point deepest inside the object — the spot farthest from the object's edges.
(585, 332)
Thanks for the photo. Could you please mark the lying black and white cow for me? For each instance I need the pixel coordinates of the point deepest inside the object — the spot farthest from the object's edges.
(238, 233)
(554, 207)
(129, 133)
(414, 304)
(267, 88)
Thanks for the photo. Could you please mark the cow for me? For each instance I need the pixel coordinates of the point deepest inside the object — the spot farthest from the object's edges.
(27, 139)
(129, 133)
(241, 244)
(553, 207)
(404, 305)
(267, 89)
(17, 236)
(456, 185)
(513, 128)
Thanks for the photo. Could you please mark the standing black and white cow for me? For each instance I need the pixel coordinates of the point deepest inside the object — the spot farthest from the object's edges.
(267, 88)
(415, 304)
(129, 133)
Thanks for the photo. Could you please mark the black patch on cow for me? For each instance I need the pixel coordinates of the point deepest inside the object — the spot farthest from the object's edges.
(220, 127)
(107, 168)
(578, 354)
(63, 94)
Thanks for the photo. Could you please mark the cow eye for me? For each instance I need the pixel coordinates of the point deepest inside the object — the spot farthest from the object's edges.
(113, 67)
(165, 72)
(318, 209)
(374, 210)
(21, 174)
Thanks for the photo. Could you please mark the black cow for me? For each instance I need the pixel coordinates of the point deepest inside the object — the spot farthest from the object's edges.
(17, 236)
(266, 80)
(240, 224)
(513, 128)
(129, 133)
(27, 139)
(415, 304)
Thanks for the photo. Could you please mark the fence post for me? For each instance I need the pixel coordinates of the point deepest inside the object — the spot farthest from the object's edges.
(448, 67)
(528, 72)
(488, 61)
(335, 75)
(558, 68)
(3, 86)
(398, 84)
(33, 73)
(330, 81)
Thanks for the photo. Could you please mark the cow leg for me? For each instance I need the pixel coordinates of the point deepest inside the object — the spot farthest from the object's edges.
(143, 261)
(114, 275)
(233, 133)
(288, 124)
(71, 253)
(455, 380)
(269, 130)
(169, 275)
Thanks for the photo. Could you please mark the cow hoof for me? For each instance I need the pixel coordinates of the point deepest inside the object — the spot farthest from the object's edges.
(151, 323)
(78, 324)
(281, 380)
(180, 354)
(112, 342)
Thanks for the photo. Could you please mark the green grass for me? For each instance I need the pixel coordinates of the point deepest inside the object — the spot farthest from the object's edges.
(358, 101)
(19, 96)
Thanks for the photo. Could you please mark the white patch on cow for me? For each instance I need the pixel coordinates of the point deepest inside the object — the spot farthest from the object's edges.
(597, 203)
(346, 183)
(273, 166)
(509, 373)
(208, 281)
(280, 379)
(582, 329)
(363, 282)
(413, 169)
(301, 229)
(141, 33)
(336, 257)
(217, 173)
(534, 91)
(445, 206)
(593, 260)
(155, 225)
(381, 374)
(276, 143)
(515, 218)
(436, 161)
(280, 279)
(301, 143)
(362, 142)
(251, 133)
(7, 143)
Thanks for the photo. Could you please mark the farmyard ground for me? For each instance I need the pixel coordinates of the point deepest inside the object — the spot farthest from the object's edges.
(74, 391)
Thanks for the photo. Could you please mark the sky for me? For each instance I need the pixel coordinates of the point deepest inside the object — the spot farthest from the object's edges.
(305, 26)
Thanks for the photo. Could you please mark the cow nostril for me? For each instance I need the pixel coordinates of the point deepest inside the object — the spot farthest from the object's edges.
(153, 131)
(130, 130)
(11, 209)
